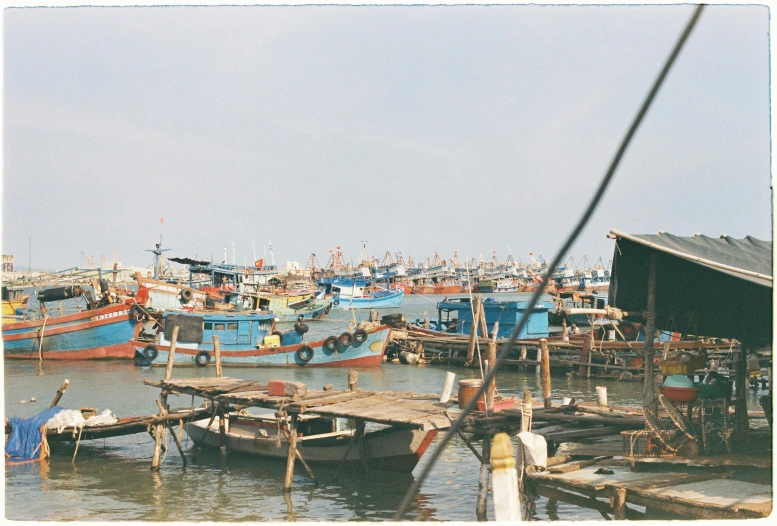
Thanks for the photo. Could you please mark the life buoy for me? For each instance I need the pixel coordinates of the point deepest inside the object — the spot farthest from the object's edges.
(359, 336)
(629, 330)
(150, 352)
(345, 339)
(202, 359)
(331, 343)
(336, 303)
(305, 353)
(187, 294)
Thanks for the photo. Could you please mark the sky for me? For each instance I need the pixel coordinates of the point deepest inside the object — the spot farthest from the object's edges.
(415, 129)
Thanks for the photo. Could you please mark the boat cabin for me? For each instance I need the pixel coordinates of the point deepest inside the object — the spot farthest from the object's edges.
(455, 316)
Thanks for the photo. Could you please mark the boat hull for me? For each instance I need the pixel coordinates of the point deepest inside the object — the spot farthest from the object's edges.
(100, 333)
(381, 302)
(367, 354)
(390, 449)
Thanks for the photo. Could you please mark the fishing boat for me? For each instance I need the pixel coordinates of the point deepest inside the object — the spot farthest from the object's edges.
(250, 339)
(162, 295)
(498, 285)
(356, 293)
(320, 441)
(14, 304)
(102, 330)
(455, 316)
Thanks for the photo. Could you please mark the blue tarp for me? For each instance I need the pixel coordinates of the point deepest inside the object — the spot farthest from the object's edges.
(25, 435)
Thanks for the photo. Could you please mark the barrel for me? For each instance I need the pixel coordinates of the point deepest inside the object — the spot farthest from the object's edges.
(467, 390)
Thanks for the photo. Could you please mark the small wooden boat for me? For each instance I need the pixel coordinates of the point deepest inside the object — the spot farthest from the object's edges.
(14, 304)
(320, 441)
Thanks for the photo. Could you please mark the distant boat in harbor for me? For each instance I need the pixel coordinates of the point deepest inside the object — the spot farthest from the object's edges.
(14, 304)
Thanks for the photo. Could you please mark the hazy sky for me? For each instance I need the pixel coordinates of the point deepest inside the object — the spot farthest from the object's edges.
(418, 129)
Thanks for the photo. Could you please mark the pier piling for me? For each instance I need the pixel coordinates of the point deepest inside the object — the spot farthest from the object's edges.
(545, 364)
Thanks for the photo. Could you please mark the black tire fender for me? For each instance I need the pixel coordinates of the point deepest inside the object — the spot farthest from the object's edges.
(305, 353)
(187, 294)
(629, 330)
(336, 303)
(150, 352)
(202, 359)
(346, 339)
(331, 343)
(359, 336)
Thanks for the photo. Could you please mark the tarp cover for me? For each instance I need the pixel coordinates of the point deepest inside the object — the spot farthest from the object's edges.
(25, 438)
(190, 327)
(189, 261)
(704, 286)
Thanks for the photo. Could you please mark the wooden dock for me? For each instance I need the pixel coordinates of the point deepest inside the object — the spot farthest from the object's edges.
(381, 407)
(609, 486)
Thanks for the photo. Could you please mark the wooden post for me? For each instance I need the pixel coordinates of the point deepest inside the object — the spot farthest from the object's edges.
(538, 367)
(159, 431)
(504, 480)
(171, 354)
(526, 411)
(60, 392)
(491, 364)
(473, 332)
(741, 386)
(619, 504)
(545, 372)
(648, 393)
(222, 431)
(584, 356)
(217, 350)
(522, 367)
(353, 379)
(447, 387)
(482, 502)
(292, 454)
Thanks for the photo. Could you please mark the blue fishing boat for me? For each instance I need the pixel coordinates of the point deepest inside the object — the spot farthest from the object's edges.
(102, 330)
(250, 339)
(357, 293)
(506, 313)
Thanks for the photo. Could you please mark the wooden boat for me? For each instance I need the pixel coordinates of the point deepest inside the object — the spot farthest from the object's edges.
(498, 285)
(506, 313)
(250, 339)
(319, 441)
(161, 295)
(14, 304)
(101, 331)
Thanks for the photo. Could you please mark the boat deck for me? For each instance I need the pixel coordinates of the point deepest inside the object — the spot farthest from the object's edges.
(383, 407)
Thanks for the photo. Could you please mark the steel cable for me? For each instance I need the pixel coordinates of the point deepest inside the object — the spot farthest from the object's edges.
(411, 492)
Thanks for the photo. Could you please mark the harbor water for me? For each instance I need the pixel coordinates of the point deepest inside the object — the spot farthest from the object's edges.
(110, 480)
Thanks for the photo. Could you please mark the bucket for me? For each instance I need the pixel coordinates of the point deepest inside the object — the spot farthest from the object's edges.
(601, 395)
(467, 390)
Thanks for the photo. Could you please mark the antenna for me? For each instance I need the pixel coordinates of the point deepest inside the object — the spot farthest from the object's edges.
(254, 245)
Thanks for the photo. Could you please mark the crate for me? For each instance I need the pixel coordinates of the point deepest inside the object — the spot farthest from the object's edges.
(645, 443)
(672, 367)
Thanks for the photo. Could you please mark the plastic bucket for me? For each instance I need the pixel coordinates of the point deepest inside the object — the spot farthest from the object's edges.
(467, 390)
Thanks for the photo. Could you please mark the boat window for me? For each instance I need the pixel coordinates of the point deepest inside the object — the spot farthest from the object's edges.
(232, 326)
(208, 326)
(218, 326)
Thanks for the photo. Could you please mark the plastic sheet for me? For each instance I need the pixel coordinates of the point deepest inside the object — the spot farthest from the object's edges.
(25, 438)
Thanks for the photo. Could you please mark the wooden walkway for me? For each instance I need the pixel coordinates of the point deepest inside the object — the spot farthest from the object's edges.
(691, 495)
(382, 407)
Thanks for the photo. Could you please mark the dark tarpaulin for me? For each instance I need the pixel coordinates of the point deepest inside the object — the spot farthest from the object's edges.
(715, 287)
(189, 261)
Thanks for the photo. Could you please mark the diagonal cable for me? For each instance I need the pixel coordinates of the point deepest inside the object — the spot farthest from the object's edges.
(503, 353)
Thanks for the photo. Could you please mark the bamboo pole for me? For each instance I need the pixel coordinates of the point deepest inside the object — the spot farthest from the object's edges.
(491, 364)
(177, 442)
(222, 431)
(353, 379)
(523, 357)
(473, 329)
(60, 392)
(545, 372)
(292, 453)
(584, 356)
(648, 393)
(482, 498)
(159, 431)
(217, 350)
(171, 354)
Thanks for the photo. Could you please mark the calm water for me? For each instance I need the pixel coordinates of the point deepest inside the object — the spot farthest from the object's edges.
(111, 480)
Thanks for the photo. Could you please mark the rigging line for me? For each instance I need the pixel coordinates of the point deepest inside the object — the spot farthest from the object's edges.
(411, 492)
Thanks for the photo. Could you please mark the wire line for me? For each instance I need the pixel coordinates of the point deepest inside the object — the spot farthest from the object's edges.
(411, 492)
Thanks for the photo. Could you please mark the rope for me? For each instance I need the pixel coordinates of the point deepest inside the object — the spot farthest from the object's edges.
(413, 490)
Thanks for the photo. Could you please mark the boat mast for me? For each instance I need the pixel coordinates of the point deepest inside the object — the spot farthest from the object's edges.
(157, 252)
